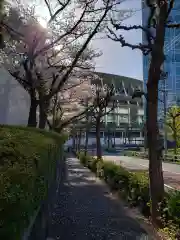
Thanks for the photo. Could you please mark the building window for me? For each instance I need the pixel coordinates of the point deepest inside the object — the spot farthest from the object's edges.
(177, 56)
(123, 119)
(110, 118)
(178, 82)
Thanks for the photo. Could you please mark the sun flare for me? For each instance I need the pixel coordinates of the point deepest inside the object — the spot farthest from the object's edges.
(42, 22)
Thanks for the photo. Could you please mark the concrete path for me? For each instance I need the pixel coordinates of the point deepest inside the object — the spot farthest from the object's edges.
(85, 210)
(171, 171)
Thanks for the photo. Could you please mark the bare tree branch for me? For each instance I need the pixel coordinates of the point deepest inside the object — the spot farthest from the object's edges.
(173, 25)
(53, 16)
(144, 48)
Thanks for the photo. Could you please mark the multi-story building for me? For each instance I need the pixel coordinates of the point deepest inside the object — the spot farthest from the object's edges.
(125, 122)
(171, 86)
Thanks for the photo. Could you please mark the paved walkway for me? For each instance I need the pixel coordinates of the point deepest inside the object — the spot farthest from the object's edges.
(86, 211)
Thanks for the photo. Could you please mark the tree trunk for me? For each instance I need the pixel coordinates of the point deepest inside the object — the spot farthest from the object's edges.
(98, 138)
(79, 140)
(49, 125)
(43, 113)
(175, 147)
(5, 101)
(155, 163)
(108, 139)
(175, 136)
(54, 111)
(87, 133)
(86, 141)
(74, 142)
(32, 121)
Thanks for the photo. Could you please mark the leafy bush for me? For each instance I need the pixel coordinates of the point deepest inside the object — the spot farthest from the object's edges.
(173, 205)
(116, 176)
(100, 168)
(88, 161)
(139, 191)
(27, 160)
(85, 159)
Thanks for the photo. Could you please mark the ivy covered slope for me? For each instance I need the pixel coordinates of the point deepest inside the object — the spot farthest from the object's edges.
(27, 159)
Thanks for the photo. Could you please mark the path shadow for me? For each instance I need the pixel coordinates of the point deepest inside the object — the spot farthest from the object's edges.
(85, 210)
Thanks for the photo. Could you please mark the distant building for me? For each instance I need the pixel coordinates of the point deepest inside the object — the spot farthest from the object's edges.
(125, 122)
(14, 101)
(172, 62)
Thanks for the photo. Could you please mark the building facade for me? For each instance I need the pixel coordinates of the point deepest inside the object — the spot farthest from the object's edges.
(14, 101)
(124, 124)
(169, 89)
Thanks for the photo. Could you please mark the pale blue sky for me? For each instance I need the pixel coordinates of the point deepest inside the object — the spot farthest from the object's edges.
(123, 61)
(115, 59)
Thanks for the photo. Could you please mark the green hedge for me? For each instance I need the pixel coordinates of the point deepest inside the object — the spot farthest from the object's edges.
(27, 161)
(136, 154)
(134, 187)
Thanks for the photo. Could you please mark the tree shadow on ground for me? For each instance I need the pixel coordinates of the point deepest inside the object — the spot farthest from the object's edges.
(85, 210)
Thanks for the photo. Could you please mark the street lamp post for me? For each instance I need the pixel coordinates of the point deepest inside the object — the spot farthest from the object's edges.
(164, 76)
(139, 94)
(165, 113)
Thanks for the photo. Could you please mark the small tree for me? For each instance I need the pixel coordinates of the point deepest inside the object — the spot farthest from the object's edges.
(173, 123)
(103, 99)
(87, 124)
(66, 107)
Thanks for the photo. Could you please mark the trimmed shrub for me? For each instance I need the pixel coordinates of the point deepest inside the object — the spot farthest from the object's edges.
(173, 205)
(116, 176)
(100, 169)
(27, 162)
(139, 191)
(92, 164)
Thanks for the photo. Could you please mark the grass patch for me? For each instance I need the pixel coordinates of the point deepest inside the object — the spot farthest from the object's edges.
(27, 161)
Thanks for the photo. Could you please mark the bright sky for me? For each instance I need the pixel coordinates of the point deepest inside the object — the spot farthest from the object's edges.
(123, 61)
(115, 59)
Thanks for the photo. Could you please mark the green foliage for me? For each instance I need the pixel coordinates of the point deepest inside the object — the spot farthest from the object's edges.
(174, 206)
(134, 187)
(169, 233)
(88, 161)
(116, 176)
(84, 159)
(139, 191)
(138, 154)
(27, 162)
(92, 164)
(173, 123)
